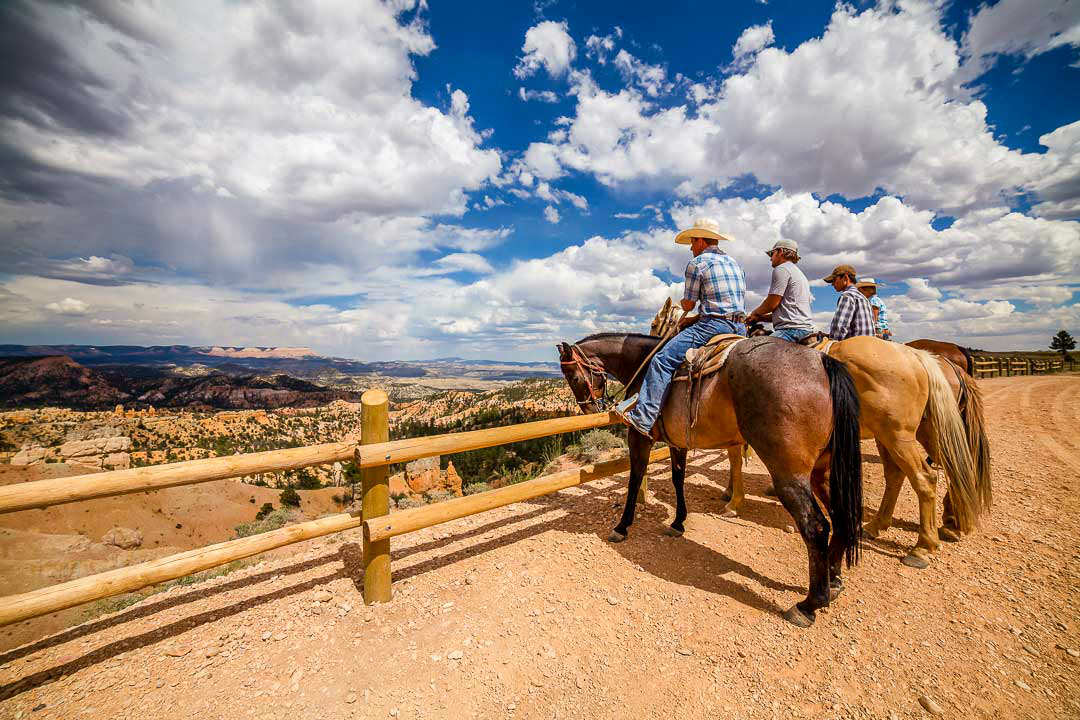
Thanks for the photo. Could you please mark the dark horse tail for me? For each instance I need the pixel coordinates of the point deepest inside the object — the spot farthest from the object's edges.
(970, 359)
(845, 472)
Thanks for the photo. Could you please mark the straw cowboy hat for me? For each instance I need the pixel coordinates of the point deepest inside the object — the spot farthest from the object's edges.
(783, 244)
(702, 228)
(866, 282)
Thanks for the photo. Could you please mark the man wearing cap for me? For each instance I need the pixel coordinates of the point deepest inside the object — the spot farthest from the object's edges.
(853, 314)
(868, 287)
(715, 283)
(787, 305)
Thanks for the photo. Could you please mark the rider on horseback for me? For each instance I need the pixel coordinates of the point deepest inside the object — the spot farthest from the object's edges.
(787, 305)
(714, 282)
(853, 313)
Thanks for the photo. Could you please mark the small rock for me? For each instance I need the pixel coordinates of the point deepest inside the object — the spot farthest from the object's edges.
(123, 538)
(267, 635)
(455, 655)
(393, 712)
(1022, 685)
(212, 651)
(512, 707)
(1031, 651)
(929, 705)
(686, 652)
(323, 596)
(350, 698)
(1072, 652)
(470, 579)
(612, 600)
(789, 528)
(278, 637)
(177, 651)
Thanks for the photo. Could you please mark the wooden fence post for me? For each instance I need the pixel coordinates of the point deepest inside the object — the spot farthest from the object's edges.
(375, 428)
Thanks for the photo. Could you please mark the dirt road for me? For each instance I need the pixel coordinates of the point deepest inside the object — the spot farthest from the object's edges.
(526, 612)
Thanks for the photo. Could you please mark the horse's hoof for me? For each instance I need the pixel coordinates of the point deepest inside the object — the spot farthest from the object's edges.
(673, 532)
(616, 537)
(915, 561)
(871, 530)
(729, 513)
(726, 495)
(796, 617)
(948, 534)
(834, 591)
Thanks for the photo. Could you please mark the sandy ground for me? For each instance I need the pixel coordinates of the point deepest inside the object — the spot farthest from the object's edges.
(526, 612)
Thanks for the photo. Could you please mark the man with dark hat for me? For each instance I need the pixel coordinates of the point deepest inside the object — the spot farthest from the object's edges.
(853, 313)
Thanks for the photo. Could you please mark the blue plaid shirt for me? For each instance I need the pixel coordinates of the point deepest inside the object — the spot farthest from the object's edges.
(853, 316)
(882, 313)
(715, 281)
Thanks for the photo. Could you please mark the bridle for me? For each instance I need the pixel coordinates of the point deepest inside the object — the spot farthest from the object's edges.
(590, 368)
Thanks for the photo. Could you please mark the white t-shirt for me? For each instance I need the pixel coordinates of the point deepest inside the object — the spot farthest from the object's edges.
(793, 288)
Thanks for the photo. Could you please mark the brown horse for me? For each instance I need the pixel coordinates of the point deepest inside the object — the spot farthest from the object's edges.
(794, 406)
(956, 354)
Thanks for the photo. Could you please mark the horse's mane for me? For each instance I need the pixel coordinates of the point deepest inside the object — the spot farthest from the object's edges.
(611, 335)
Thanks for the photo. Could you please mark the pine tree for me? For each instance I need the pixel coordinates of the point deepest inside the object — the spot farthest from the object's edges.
(1063, 342)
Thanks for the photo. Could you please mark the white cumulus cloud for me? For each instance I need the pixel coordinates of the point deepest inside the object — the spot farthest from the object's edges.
(548, 45)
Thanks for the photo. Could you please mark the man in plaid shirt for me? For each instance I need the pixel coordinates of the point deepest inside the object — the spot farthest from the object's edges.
(715, 283)
(853, 313)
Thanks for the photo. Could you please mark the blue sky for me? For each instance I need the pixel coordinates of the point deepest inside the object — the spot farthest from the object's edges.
(397, 180)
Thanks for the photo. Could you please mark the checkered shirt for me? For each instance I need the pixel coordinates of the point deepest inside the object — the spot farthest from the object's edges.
(715, 281)
(853, 316)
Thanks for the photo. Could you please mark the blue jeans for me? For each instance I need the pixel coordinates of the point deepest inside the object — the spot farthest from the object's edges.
(662, 367)
(791, 334)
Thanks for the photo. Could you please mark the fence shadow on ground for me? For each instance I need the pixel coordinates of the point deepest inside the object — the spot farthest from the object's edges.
(593, 512)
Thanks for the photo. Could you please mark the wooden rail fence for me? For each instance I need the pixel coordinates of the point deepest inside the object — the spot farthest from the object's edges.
(373, 456)
(986, 366)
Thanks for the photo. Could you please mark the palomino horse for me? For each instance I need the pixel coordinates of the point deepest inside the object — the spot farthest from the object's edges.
(796, 407)
(907, 400)
(959, 356)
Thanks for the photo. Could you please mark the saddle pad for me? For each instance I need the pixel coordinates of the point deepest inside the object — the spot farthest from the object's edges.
(709, 358)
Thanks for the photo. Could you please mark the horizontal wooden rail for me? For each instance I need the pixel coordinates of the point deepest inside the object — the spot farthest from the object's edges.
(406, 521)
(35, 603)
(43, 493)
(15, 608)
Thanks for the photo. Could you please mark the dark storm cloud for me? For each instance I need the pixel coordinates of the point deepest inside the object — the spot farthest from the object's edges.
(42, 84)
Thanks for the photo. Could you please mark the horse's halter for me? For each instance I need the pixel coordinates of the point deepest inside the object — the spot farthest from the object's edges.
(591, 369)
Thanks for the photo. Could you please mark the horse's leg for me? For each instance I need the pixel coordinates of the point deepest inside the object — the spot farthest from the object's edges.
(819, 484)
(949, 530)
(923, 479)
(795, 494)
(894, 481)
(735, 482)
(640, 446)
(678, 476)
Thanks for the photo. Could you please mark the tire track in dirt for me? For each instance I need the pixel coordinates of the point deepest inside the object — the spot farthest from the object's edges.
(1048, 434)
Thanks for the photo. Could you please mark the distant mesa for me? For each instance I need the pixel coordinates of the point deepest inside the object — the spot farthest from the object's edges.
(258, 352)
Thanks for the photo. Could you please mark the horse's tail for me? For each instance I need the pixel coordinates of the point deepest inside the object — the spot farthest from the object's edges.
(949, 439)
(845, 471)
(971, 411)
(970, 358)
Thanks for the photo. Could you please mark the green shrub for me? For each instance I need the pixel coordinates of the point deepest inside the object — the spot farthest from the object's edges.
(308, 480)
(290, 497)
(434, 496)
(477, 487)
(272, 521)
(265, 510)
(594, 443)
